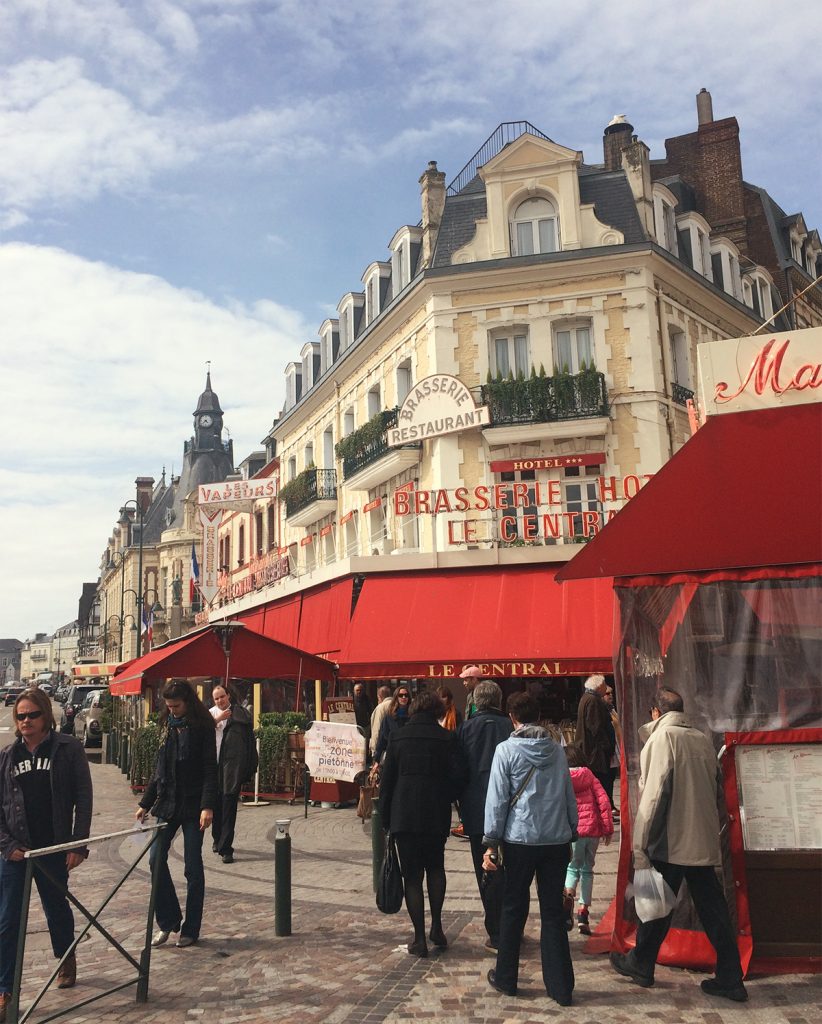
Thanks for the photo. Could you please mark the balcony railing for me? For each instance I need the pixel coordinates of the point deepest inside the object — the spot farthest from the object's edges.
(310, 486)
(364, 446)
(680, 394)
(546, 399)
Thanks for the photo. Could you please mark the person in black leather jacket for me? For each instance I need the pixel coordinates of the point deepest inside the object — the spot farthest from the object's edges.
(45, 800)
(182, 792)
(236, 764)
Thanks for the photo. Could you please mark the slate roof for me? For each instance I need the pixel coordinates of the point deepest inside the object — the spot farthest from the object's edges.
(459, 222)
(613, 201)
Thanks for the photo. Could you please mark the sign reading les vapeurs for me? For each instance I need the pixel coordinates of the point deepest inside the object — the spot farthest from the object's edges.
(761, 372)
(437, 405)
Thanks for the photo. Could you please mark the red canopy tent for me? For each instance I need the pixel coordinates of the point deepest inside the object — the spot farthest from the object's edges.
(718, 572)
(221, 650)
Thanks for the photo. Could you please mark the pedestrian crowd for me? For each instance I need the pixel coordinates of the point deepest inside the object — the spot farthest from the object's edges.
(532, 806)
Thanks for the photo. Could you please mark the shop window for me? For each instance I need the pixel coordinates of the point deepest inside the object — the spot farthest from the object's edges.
(534, 227)
(510, 353)
(573, 348)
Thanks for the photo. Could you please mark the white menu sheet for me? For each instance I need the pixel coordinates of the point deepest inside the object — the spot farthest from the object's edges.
(780, 796)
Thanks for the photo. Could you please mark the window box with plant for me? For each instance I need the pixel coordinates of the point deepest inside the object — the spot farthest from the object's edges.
(539, 398)
(309, 486)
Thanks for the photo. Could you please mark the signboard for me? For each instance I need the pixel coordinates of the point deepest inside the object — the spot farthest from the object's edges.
(763, 371)
(437, 405)
(238, 495)
(547, 462)
(209, 567)
(334, 750)
(780, 796)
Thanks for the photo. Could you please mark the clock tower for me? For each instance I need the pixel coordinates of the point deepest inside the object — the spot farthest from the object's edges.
(208, 420)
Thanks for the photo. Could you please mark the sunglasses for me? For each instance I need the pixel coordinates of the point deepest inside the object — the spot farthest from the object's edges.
(23, 715)
(400, 696)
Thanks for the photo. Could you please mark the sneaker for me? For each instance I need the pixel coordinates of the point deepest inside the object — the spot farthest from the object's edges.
(622, 965)
(711, 987)
(582, 922)
(458, 832)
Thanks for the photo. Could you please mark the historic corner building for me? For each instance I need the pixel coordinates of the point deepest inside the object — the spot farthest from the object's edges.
(145, 595)
(496, 390)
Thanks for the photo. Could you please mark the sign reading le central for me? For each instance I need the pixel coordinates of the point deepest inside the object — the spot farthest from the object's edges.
(437, 405)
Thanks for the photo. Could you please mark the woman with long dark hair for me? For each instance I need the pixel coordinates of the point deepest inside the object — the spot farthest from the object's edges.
(393, 720)
(423, 773)
(182, 793)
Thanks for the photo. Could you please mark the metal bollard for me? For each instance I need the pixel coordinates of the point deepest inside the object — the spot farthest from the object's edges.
(282, 878)
(377, 843)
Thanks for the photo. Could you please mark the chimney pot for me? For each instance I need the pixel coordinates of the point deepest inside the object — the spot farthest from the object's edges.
(704, 107)
(617, 136)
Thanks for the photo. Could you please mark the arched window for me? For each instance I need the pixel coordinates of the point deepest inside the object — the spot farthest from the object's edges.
(535, 227)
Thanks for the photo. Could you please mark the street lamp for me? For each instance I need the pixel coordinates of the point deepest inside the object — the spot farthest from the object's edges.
(115, 561)
(139, 507)
(134, 620)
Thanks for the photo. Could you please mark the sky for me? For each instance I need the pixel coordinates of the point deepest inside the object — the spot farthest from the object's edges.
(193, 180)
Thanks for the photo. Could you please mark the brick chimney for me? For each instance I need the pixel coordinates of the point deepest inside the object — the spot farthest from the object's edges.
(432, 191)
(618, 135)
(145, 489)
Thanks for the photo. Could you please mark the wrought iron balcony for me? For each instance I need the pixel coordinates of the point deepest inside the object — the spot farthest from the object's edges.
(680, 394)
(310, 486)
(365, 446)
(546, 399)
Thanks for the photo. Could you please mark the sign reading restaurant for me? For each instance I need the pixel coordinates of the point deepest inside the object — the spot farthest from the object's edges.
(437, 405)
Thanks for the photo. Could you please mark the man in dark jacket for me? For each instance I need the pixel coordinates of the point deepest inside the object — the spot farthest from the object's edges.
(236, 763)
(595, 733)
(45, 800)
(478, 739)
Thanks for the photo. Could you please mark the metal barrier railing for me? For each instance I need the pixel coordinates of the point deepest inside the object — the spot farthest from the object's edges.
(141, 966)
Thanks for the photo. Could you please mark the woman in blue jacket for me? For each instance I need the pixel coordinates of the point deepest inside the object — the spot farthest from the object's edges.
(530, 819)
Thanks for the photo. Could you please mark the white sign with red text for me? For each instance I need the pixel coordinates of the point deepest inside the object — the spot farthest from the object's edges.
(239, 495)
(760, 372)
(334, 750)
(437, 405)
(209, 567)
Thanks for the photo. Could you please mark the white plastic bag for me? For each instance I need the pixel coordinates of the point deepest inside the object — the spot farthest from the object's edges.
(653, 897)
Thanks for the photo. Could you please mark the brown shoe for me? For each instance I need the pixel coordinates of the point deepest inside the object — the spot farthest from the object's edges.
(67, 975)
(5, 999)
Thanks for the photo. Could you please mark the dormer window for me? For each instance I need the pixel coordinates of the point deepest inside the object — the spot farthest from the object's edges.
(376, 280)
(404, 248)
(310, 353)
(665, 219)
(350, 309)
(293, 384)
(725, 266)
(693, 233)
(756, 292)
(534, 227)
(329, 344)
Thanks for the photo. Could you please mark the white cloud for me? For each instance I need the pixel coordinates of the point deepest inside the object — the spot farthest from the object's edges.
(101, 371)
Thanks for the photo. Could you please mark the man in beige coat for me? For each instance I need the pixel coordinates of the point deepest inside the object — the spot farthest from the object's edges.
(677, 830)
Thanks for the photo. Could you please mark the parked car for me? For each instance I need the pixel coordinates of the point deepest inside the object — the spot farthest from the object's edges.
(46, 688)
(12, 693)
(88, 723)
(74, 701)
(61, 692)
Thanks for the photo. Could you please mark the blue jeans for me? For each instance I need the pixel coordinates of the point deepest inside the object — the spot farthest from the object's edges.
(167, 907)
(56, 907)
(581, 868)
(548, 863)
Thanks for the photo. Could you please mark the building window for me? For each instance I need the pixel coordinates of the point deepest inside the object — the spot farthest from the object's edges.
(348, 422)
(258, 533)
(512, 522)
(534, 227)
(272, 527)
(403, 381)
(581, 495)
(573, 348)
(292, 467)
(374, 401)
(679, 356)
(398, 265)
(328, 448)
(510, 353)
(695, 244)
(665, 221)
(241, 545)
(308, 455)
(757, 292)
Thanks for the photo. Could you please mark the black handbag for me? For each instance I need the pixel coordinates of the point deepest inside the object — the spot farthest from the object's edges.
(390, 891)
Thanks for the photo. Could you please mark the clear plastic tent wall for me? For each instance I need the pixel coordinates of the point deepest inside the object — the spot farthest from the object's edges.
(745, 653)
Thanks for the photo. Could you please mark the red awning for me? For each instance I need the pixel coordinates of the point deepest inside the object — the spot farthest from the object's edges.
(325, 616)
(279, 620)
(512, 622)
(745, 491)
(251, 656)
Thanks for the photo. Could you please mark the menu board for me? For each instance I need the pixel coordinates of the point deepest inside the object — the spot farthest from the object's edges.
(780, 796)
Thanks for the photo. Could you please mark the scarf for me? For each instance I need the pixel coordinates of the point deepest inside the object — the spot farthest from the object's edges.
(179, 737)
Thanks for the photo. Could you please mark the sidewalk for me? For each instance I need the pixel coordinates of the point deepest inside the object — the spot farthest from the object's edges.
(346, 963)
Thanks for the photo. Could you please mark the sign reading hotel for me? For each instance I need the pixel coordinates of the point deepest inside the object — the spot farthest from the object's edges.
(437, 405)
(762, 371)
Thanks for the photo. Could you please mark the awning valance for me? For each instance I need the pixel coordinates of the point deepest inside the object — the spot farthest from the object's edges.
(515, 622)
(221, 650)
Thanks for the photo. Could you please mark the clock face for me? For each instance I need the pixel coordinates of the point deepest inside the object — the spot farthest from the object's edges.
(206, 421)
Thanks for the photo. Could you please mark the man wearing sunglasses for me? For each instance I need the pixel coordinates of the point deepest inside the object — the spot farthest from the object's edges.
(45, 800)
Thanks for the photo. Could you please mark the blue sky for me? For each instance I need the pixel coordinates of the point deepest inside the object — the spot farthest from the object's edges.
(183, 180)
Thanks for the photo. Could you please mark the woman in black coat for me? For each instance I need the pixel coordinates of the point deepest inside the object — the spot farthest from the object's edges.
(422, 775)
(236, 763)
(182, 793)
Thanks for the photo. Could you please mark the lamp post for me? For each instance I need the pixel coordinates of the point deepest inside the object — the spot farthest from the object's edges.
(140, 510)
(134, 620)
(115, 561)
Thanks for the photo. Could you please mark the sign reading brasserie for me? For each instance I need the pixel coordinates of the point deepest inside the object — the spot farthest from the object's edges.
(437, 405)
(762, 371)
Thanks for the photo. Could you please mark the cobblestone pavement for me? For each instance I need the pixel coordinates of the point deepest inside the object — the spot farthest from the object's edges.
(345, 962)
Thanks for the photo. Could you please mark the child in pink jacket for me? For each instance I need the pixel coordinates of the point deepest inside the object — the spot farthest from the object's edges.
(595, 823)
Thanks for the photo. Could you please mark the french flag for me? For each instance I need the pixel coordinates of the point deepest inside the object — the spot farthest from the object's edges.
(148, 624)
(195, 575)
